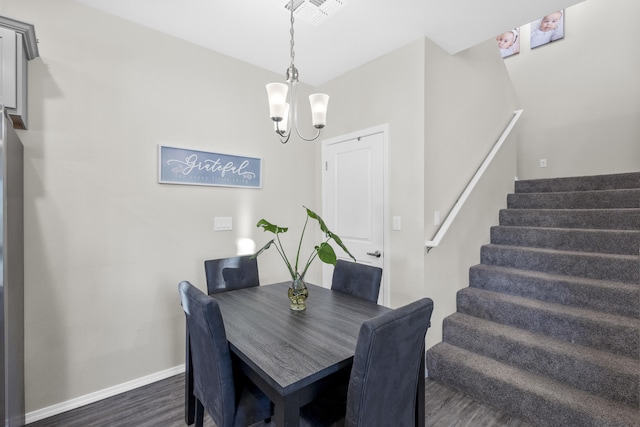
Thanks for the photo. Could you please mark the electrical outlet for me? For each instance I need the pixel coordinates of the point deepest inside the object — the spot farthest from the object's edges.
(543, 163)
(436, 218)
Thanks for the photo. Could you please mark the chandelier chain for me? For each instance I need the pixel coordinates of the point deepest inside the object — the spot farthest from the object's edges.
(291, 32)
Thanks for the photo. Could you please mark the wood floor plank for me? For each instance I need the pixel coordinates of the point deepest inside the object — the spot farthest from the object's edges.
(445, 407)
(161, 404)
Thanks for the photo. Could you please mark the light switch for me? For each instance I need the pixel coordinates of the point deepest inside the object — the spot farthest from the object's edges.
(222, 223)
(397, 223)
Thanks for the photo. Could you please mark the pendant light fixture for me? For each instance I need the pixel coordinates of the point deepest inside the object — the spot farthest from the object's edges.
(282, 102)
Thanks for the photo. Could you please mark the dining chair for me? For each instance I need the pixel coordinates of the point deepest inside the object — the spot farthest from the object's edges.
(382, 387)
(226, 274)
(230, 400)
(360, 280)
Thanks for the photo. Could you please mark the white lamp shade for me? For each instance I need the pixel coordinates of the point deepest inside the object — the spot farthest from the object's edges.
(277, 93)
(319, 102)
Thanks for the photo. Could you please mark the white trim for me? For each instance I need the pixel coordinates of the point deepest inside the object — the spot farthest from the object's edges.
(61, 407)
(467, 191)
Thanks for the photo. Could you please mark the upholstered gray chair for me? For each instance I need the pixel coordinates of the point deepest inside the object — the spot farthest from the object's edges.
(224, 274)
(227, 274)
(382, 388)
(230, 400)
(360, 280)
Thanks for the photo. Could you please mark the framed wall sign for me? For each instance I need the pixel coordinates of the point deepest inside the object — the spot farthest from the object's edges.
(193, 167)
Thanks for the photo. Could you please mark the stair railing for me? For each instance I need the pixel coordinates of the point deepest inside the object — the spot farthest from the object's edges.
(451, 216)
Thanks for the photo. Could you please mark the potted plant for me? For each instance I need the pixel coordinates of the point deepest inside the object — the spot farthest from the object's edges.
(298, 291)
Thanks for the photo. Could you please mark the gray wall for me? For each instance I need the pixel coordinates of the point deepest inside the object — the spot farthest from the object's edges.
(441, 106)
(106, 245)
(469, 101)
(581, 94)
(367, 97)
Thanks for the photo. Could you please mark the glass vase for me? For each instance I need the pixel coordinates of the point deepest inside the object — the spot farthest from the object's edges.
(298, 294)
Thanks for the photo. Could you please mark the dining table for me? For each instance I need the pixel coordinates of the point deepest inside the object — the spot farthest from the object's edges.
(294, 356)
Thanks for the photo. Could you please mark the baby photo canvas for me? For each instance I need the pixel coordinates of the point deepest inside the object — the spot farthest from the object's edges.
(547, 29)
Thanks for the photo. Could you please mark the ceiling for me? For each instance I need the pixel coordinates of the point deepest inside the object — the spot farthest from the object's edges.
(257, 31)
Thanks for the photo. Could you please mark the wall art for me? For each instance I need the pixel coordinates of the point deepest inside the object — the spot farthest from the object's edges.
(194, 167)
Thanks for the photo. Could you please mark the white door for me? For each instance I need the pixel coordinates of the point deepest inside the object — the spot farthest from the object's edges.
(353, 182)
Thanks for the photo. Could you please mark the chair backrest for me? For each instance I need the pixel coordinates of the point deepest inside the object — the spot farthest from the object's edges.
(227, 274)
(360, 280)
(213, 382)
(386, 366)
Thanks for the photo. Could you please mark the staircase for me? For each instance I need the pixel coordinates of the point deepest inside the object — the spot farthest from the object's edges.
(549, 328)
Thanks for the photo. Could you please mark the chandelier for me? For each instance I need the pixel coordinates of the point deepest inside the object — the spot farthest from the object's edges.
(282, 102)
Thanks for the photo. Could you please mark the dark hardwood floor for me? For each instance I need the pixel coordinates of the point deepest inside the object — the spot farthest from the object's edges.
(445, 407)
(161, 405)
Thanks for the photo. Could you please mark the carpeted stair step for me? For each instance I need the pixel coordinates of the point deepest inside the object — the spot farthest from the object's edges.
(602, 295)
(606, 219)
(599, 199)
(620, 268)
(582, 183)
(537, 399)
(601, 373)
(608, 332)
(623, 242)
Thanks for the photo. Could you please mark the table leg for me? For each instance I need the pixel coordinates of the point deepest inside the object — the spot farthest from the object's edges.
(287, 411)
(189, 398)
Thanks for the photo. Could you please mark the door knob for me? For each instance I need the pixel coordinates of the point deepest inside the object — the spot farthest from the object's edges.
(375, 254)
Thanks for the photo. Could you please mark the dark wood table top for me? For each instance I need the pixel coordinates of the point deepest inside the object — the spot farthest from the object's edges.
(291, 350)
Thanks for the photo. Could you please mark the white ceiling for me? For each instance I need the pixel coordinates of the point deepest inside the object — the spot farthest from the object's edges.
(257, 31)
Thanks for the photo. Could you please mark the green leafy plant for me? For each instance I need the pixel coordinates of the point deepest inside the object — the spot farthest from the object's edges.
(324, 250)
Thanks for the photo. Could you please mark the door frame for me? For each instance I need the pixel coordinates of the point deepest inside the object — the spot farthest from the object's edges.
(386, 223)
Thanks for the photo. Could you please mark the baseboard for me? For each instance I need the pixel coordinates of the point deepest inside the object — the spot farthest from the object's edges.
(59, 408)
